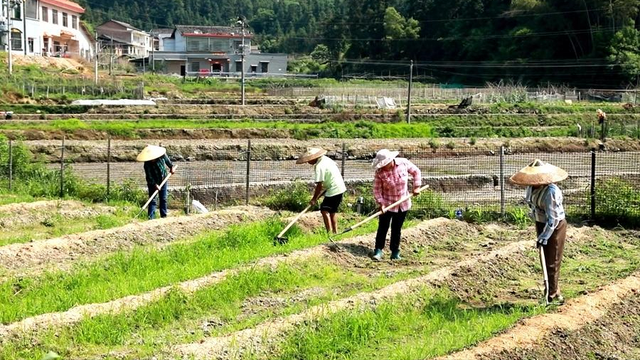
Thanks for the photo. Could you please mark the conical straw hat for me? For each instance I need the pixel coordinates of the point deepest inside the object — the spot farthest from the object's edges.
(151, 152)
(538, 173)
(311, 154)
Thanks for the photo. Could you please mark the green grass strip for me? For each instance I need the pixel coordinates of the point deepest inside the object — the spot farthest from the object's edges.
(430, 324)
(144, 269)
(177, 311)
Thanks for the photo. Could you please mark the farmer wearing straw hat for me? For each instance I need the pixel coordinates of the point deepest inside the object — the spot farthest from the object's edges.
(545, 200)
(328, 177)
(156, 168)
(390, 184)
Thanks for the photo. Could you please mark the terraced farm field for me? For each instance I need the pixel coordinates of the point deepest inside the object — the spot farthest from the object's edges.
(214, 286)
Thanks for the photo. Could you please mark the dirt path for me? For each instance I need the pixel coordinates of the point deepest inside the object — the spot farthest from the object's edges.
(576, 314)
(426, 229)
(61, 253)
(264, 336)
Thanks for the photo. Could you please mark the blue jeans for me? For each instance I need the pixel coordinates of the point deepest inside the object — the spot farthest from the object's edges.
(162, 194)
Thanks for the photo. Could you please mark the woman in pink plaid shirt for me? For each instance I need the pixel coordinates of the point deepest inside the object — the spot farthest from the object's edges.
(390, 184)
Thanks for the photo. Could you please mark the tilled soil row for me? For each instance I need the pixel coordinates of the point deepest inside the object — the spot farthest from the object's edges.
(431, 229)
(265, 336)
(15, 215)
(61, 253)
(198, 145)
(605, 319)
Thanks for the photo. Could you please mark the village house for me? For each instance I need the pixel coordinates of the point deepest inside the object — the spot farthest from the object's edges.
(213, 50)
(45, 28)
(124, 39)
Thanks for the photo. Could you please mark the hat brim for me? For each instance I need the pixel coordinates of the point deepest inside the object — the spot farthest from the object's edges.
(151, 153)
(309, 157)
(385, 162)
(538, 175)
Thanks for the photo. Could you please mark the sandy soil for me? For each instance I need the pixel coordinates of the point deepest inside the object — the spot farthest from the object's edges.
(62, 253)
(534, 332)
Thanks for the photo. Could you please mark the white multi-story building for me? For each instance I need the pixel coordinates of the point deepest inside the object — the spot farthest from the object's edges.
(127, 39)
(46, 28)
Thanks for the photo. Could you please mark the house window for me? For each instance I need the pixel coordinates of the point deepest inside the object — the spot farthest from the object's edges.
(254, 69)
(45, 14)
(31, 9)
(65, 20)
(16, 39)
(264, 66)
(74, 22)
(17, 12)
(30, 44)
(54, 16)
(195, 66)
(238, 66)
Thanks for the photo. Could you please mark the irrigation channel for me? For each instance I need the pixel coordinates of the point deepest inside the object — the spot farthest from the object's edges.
(457, 285)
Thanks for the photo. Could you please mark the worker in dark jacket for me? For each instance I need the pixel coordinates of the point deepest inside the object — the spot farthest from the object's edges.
(157, 167)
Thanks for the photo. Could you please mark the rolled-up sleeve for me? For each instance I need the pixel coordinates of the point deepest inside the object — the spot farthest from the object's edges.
(415, 173)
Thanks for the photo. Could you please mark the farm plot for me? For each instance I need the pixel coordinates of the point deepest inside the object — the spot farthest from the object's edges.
(457, 284)
(28, 222)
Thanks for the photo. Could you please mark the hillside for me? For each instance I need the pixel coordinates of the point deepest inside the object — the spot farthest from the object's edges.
(585, 43)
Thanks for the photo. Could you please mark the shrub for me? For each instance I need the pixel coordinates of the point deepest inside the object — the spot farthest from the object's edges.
(451, 145)
(472, 141)
(293, 198)
(617, 201)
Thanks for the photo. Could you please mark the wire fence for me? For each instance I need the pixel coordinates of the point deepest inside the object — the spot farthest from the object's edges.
(435, 93)
(601, 184)
(84, 87)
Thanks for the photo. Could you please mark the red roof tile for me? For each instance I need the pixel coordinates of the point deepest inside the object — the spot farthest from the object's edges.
(65, 4)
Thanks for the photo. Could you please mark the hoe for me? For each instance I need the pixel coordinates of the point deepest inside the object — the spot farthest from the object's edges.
(156, 192)
(281, 239)
(375, 215)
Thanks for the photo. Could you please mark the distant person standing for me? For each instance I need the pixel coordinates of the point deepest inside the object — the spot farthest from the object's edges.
(326, 176)
(157, 167)
(390, 184)
(544, 198)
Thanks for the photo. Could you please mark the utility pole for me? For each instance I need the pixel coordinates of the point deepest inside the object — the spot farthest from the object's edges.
(111, 58)
(153, 48)
(409, 92)
(95, 65)
(242, 23)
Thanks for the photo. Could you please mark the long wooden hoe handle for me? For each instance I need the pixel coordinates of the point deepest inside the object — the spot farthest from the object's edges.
(298, 216)
(156, 192)
(294, 221)
(403, 199)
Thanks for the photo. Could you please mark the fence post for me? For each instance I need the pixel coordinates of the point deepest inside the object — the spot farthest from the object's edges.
(62, 168)
(246, 195)
(10, 165)
(502, 180)
(344, 155)
(593, 184)
(108, 166)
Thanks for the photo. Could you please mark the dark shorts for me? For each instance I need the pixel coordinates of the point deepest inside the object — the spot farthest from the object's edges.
(331, 204)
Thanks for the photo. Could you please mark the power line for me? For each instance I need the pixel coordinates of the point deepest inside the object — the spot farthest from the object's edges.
(504, 16)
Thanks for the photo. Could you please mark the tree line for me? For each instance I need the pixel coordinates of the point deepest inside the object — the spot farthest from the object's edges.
(589, 43)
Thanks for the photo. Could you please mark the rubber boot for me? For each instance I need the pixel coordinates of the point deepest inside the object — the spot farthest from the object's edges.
(377, 254)
(395, 255)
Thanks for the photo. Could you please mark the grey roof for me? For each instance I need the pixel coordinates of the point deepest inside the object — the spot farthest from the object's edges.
(212, 30)
(156, 32)
(124, 24)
